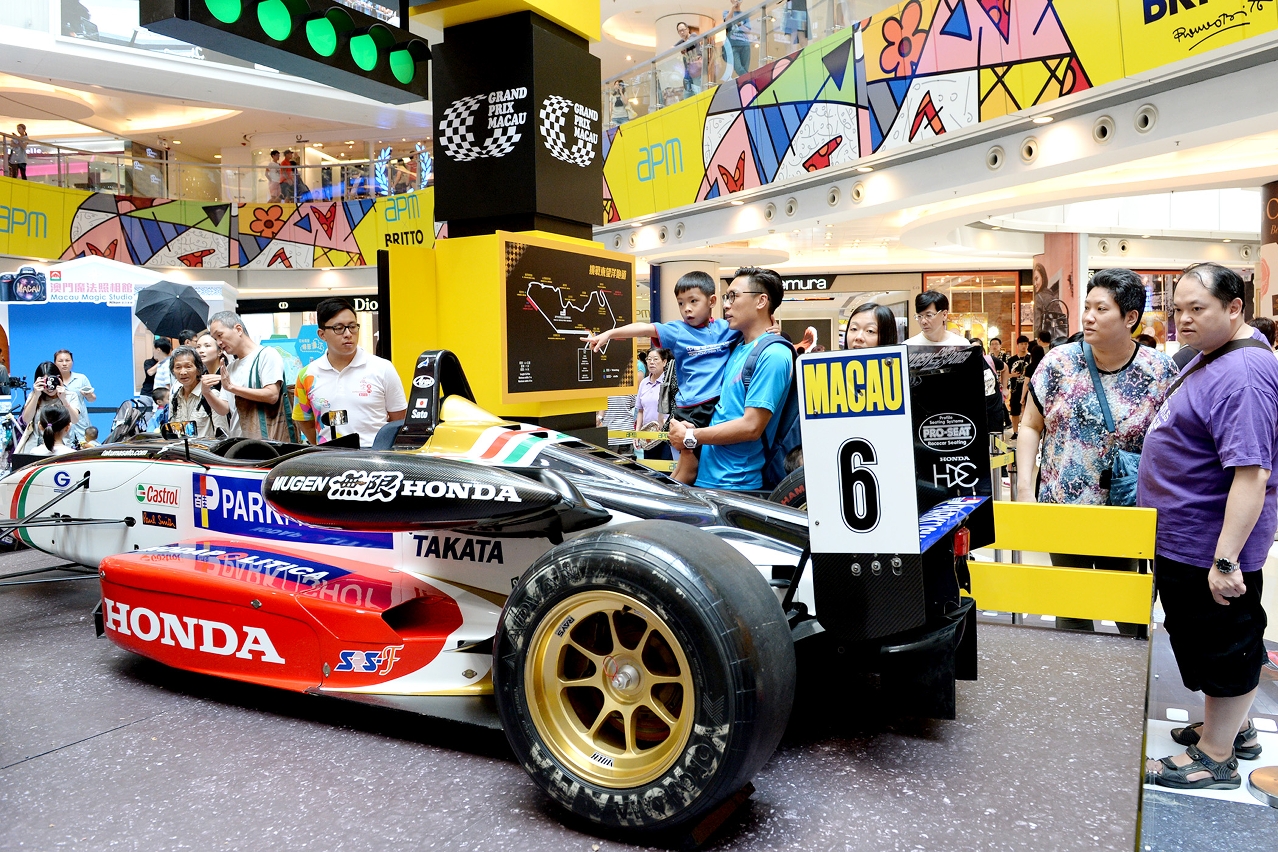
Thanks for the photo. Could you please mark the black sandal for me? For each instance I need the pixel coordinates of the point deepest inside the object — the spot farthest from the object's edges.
(1224, 776)
(1189, 735)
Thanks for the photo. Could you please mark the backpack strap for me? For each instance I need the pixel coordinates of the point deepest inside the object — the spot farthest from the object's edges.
(747, 372)
(1204, 360)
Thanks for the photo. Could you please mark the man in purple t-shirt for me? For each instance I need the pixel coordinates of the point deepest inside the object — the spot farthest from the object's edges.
(1208, 467)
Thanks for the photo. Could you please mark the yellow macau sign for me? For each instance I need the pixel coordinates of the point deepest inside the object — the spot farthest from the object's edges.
(854, 386)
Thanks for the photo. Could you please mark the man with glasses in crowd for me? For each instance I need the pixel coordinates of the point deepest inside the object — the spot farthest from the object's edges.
(346, 379)
(255, 379)
(732, 456)
(932, 310)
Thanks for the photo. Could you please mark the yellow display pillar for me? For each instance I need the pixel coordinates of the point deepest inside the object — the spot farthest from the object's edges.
(450, 297)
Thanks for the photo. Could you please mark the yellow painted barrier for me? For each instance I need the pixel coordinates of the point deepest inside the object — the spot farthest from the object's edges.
(657, 464)
(643, 436)
(1070, 592)
(1004, 460)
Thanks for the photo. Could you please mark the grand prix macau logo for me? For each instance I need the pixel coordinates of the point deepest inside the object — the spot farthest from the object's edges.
(554, 116)
(456, 128)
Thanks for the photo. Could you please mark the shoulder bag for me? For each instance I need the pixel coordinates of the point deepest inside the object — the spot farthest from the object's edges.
(1124, 472)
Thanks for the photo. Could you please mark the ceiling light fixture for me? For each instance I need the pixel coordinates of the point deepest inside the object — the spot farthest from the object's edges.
(1044, 119)
(1226, 240)
(177, 141)
(996, 227)
(865, 170)
(736, 202)
(217, 156)
(1144, 236)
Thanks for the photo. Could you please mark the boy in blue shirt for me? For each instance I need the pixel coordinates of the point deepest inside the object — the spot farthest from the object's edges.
(733, 457)
(700, 344)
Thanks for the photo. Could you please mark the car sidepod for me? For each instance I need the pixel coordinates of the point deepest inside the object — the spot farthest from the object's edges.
(278, 617)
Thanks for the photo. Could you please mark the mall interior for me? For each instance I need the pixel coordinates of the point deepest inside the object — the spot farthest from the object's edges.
(494, 188)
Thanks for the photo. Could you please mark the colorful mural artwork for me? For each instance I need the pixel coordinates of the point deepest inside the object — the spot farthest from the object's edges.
(915, 71)
(62, 224)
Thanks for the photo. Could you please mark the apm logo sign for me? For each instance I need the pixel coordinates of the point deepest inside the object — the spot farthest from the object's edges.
(668, 154)
(34, 222)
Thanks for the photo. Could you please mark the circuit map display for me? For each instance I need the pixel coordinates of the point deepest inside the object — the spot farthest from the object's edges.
(554, 298)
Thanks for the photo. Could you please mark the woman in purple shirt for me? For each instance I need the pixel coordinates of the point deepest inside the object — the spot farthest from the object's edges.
(1208, 467)
(648, 416)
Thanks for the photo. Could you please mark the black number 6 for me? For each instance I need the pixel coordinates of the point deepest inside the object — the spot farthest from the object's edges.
(859, 490)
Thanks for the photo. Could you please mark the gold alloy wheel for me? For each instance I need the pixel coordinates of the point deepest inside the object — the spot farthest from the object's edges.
(609, 689)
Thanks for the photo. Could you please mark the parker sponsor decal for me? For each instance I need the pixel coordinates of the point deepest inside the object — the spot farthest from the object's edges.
(235, 505)
(159, 519)
(385, 486)
(194, 634)
(947, 433)
(370, 662)
(159, 495)
(459, 548)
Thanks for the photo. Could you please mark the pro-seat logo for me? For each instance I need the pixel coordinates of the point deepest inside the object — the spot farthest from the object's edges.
(159, 495)
(213, 637)
(585, 121)
(456, 129)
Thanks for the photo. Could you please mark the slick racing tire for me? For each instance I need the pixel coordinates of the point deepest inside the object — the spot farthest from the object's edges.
(791, 491)
(643, 674)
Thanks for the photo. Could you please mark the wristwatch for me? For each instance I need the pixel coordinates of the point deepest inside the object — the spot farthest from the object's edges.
(1224, 566)
(690, 440)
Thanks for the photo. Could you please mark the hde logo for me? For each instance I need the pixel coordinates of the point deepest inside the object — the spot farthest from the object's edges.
(159, 495)
(215, 637)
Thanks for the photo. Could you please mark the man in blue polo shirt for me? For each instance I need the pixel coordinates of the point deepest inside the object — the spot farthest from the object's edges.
(732, 456)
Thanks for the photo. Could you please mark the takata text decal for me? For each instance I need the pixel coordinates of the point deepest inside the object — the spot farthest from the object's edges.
(213, 637)
(459, 548)
(233, 504)
(370, 662)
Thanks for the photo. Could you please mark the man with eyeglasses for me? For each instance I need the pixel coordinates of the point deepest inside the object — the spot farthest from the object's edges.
(932, 309)
(255, 380)
(348, 379)
(732, 455)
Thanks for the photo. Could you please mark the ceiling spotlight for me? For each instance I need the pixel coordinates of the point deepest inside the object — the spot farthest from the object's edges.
(1226, 240)
(736, 202)
(318, 145)
(1044, 119)
(217, 156)
(628, 59)
(865, 170)
(996, 227)
(177, 141)
(1144, 236)
(351, 142)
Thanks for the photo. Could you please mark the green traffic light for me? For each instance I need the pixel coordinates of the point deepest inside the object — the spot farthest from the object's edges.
(275, 18)
(226, 11)
(403, 66)
(364, 51)
(322, 36)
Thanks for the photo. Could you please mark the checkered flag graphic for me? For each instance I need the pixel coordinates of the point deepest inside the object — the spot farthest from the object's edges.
(502, 142)
(554, 116)
(455, 129)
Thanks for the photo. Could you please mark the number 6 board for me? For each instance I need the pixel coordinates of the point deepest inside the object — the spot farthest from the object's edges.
(858, 451)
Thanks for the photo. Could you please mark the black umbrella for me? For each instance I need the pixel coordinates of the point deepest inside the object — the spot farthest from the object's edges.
(168, 308)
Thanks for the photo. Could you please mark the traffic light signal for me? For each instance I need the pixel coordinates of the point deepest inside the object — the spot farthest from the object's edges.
(316, 39)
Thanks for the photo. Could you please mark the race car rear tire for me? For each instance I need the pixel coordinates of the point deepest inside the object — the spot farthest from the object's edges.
(791, 491)
(643, 674)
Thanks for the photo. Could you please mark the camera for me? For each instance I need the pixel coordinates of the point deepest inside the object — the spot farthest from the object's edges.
(52, 382)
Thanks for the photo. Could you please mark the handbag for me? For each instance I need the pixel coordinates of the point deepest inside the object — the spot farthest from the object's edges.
(1124, 471)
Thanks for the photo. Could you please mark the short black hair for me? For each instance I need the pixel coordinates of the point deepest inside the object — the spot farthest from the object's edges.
(923, 301)
(1044, 337)
(186, 334)
(1020, 338)
(274, 152)
(1126, 288)
(1265, 326)
(163, 345)
(768, 280)
(695, 280)
(999, 339)
(1221, 281)
(1149, 340)
(330, 308)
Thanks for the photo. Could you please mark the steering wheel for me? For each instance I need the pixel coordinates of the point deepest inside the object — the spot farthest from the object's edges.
(251, 449)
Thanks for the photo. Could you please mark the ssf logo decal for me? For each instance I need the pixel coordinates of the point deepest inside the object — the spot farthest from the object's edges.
(379, 662)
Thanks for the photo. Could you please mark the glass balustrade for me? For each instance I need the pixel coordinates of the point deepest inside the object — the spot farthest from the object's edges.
(147, 177)
(749, 38)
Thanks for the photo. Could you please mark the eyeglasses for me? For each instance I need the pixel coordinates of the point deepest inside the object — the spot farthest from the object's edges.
(731, 296)
(931, 316)
(352, 327)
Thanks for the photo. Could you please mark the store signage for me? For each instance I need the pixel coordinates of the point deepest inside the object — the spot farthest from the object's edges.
(803, 283)
(271, 306)
(668, 155)
(519, 139)
(33, 223)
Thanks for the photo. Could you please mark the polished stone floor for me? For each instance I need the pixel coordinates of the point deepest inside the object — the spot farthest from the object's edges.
(103, 750)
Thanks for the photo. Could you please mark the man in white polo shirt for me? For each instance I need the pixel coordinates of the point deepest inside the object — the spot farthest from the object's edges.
(346, 379)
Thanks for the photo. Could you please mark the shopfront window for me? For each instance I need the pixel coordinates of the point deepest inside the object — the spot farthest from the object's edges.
(985, 304)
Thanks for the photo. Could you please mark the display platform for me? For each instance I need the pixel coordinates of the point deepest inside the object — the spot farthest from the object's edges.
(99, 748)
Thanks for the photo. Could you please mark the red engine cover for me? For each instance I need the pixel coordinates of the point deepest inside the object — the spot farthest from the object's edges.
(273, 617)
